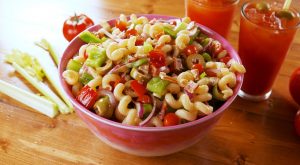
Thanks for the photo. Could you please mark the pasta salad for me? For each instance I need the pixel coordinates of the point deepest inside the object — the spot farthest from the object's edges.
(151, 72)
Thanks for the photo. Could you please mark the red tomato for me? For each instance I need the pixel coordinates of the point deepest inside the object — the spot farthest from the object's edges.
(199, 67)
(145, 99)
(225, 59)
(294, 85)
(211, 72)
(297, 122)
(190, 49)
(138, 88)
(76, 24)
(87, 97)
(121, 25)
(157, 58)
(131, 32)
(139, 41)
(171, 119)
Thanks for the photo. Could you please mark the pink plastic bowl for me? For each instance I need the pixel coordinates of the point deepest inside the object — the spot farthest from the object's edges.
(147, 141)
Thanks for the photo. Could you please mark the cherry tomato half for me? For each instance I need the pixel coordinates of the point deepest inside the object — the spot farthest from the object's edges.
(297, 122)
(76, 24)
(225, 59)
(190, 49)
(294, 85)
(131, 32)
(171, 119)
(121, 25)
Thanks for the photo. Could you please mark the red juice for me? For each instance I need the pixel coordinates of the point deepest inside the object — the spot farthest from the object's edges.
(264, 40)
(215, 14)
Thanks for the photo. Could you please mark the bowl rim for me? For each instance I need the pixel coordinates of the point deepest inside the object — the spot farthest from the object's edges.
(82, 109)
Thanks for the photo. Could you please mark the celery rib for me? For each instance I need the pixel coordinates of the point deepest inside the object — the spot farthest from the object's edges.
(34, 101)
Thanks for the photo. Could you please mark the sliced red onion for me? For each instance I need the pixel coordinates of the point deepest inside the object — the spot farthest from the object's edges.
(191, 95)
(140, 109)
(109, 35)
(178, 64)
(163, 110)
(148, 119)
(112, 99)
(191, 87)
(118, 68)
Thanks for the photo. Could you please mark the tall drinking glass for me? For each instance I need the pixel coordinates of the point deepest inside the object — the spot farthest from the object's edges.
(266, 33)
(215, 14)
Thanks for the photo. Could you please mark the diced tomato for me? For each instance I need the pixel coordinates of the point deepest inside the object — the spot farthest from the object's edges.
(121, 25)
(139, 41)
(225, 59)
(173, 23)
(199, 67)
(85, 55)
(131, 32)
(87, 97)
(138, 88)
(171, 119)
(145, 99)
(190, 49)
(157, 58)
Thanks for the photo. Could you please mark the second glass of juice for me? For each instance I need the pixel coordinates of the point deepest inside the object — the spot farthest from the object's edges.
(266, 33)
(215, 14)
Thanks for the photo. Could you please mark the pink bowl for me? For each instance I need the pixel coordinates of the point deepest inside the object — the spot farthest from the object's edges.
(147, 141)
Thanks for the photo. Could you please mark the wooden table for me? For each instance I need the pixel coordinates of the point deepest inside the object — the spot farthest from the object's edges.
(248, 133)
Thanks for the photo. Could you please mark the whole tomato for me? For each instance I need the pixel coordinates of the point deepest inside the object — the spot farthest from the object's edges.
(295, 85)
(297, 122)
(76, 24)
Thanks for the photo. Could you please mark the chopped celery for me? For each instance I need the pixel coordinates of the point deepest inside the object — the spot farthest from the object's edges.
(217, 95)
(206, 57)
(157, 85)
(140, 62)
(147, 47)
(96, 56)
(27, 62)
(170, 31)
(34, 101)
(74, 65)
(89, 37)
(181, 26)
(44, 89)
(44, 44)
(85, 78)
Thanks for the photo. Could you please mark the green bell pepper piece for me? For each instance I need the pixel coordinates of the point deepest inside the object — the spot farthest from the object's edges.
(89, 37)
(206, 57)
(96, 56)
(157, 85)
(147, 109)
(147, 47)
(181, 26)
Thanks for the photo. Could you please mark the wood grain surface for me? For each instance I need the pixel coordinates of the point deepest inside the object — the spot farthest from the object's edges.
(248, 133)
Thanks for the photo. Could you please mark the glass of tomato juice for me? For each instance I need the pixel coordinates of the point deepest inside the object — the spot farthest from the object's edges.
(266, 34)
(215, 14)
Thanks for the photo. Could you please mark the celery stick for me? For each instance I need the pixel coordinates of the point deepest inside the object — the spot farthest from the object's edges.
(44, 89)
(34, 101)
(44, 44)
(51, 73)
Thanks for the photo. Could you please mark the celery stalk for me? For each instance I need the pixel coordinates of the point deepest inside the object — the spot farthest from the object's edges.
(34, 101)
(44, 89)
(44, 44)
(51, 73)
